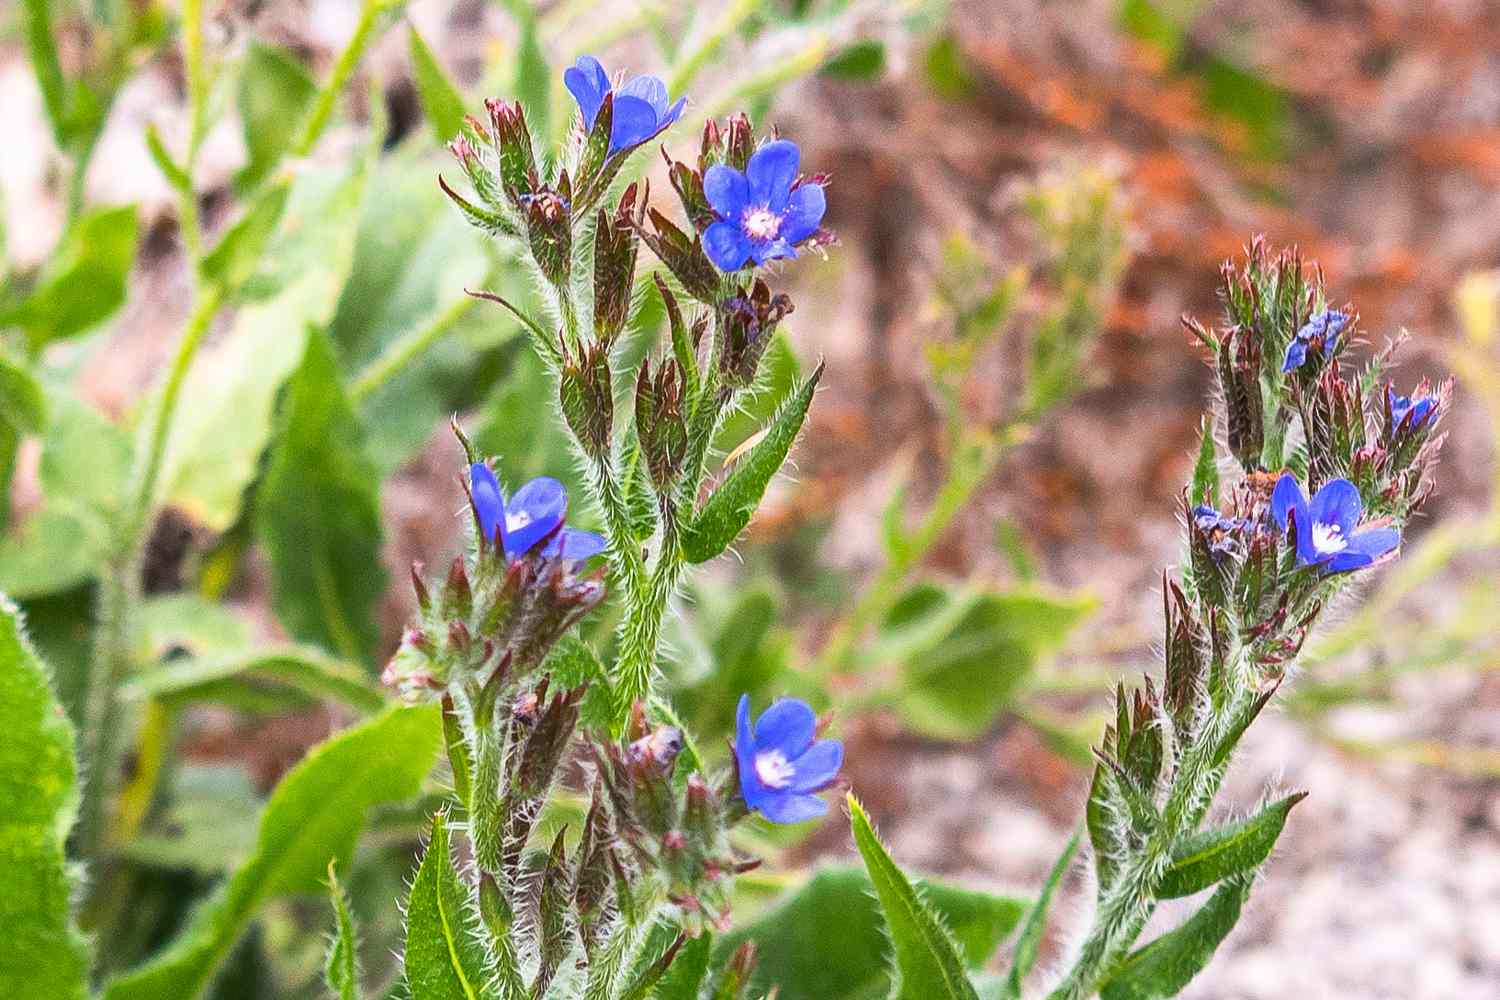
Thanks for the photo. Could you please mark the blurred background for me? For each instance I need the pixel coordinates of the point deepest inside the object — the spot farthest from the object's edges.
(968, 555)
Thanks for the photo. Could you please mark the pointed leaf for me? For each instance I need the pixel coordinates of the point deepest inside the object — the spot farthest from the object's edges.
(729, 509)
(85, 283)
(1030, 939)
(688, 971)
(441, 101)
(445, 959)
(1232, 849)
(827, 939)
(44, 955)
(316, 813)
(318, 514)
(927, 962)
(341, 968)
(233, 676)
(234, 259)
(1206, 470)
(1163, 967)
(275, 91)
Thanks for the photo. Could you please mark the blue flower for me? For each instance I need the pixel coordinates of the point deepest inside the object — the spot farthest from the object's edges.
(1223, 535)
(533, 517)
(1325, 528)
(1412, 413)
(1321, 333)
(781, 765)
(640, 105)
(761, 215)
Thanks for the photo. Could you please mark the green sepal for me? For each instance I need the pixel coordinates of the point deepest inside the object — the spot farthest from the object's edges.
(1206, 470)
(730, 507)
(1232, 849)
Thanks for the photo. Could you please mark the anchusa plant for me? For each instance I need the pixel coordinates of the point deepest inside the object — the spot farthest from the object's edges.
(533, 717)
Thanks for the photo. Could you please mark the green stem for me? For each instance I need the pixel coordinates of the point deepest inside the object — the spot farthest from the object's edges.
(641, 638)
(119, 593)
(364, 33)
(396, 357)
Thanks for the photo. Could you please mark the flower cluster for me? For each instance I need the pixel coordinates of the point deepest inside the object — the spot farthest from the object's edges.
(764, 212)
(1318, 336)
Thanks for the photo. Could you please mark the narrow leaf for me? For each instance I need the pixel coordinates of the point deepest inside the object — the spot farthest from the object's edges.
(729, 509)
(1233, 849)
(318, 514)
(41, 48)
(44, 955)
(304, 670)
(341, 968)
(688, 971)
(234, 259)
(162, 157)
(316, 813)
(1206, 470)
(445, 959)
(1163, 967)
(1030, 938)
(441, 101)
(927, 962)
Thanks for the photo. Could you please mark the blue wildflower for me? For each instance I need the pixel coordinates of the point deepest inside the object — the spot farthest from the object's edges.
(1223, 535)
(640, 105)
(1320, 333)
(1412, 414)
(533, 517)
(1325, 527)
(763, 213)
(781, 765)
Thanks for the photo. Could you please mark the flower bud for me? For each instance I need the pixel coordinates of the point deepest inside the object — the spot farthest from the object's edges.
(749, 320)
(586, 393)
(549, 228)
(684, 257)
(739, 141)
(614, 265)
(512, 141)
(1239, 364)
(553, 938)
(688, 183)
(547, 742)
(659, 421)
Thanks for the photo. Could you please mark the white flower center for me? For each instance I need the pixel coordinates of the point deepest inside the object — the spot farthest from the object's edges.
(1328, 538)
(516, 521)
(762, 223)
(773, 769)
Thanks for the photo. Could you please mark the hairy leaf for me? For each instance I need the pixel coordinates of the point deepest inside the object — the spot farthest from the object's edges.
(318, 514)
(445, 959)
(341, 968)
(731, 505)
(1163, 967)
(1206, 470)
(827, 939)
(315, 814)
(1030, 938)
(1232, 849)
(44, 955)
(926, 958)
(441, 101)
(238, 676)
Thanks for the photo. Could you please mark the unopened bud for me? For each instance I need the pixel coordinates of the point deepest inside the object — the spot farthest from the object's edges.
(660, 423)
(549, 228)
(512, 139)
(750, 319)
(586, 393)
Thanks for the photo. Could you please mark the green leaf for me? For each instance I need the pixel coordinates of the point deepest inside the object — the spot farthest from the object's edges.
(41, 48)
(341, 968)
(926, 957)
(445, 959)
(187, 622)
(1210, 856)
(204, 825)
(252, 676)
(318, 514)
(731, 505)
(688, 971)
(1206, 470)
(84, 284)
(315, 814)
(864, 60)
(224, 414)
(1163, 967)
(441, 101)
(1030, 939)
(44, 955)
(234, 260)
(175, 175)
(827, 939)
(23, 407)
(275, 92)
(962, 665)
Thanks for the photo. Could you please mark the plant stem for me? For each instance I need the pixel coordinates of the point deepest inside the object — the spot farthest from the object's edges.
(364, 33)
(395, 358)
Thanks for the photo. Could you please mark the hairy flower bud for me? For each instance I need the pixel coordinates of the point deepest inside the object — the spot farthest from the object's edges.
(615, 245)
(739, 141)
(660, 422)
(1239, 363)
(688, 183)
(586, 393)
(749, 320)
(512, 141)
(683, 256)
(549, 228)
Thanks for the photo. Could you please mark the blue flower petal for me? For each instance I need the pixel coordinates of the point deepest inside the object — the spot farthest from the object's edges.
(673, 113)
(804, 212)
(575, 545)
(588, 83)
(785, 808)
(726, 245)
(1364, 548)
(649, 89)
(771, 170)
(1338, 503)
(485, 490)
(788, 725)
(815, 769)
(1296, 355)
(1307, 553)
(1285, 498)
(727, 191)
(776, 249)
(633, 123)
(534, 513)
(744, 753)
